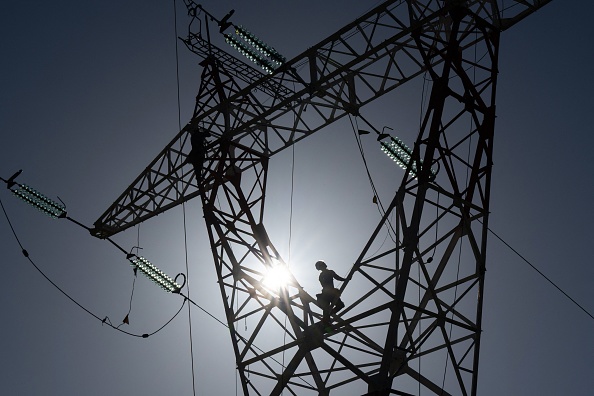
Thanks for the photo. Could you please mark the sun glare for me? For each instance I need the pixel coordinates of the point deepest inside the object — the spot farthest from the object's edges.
(277, 277)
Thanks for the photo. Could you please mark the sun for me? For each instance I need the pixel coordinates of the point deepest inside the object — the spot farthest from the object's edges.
(277, 277)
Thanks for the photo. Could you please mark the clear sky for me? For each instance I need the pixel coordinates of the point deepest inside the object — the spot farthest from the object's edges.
(89, 98)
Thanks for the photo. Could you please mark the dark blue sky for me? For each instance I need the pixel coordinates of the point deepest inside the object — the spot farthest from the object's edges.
(89, 98)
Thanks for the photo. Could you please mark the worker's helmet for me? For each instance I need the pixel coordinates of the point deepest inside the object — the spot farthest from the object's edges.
(320, 265)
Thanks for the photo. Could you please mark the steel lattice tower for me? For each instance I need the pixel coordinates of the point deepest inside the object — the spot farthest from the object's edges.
(244, 117)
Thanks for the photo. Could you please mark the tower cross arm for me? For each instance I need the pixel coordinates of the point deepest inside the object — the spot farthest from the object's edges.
(517, 11)
(364, 60)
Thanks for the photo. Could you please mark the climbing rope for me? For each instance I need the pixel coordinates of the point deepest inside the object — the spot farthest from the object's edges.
(183, 204)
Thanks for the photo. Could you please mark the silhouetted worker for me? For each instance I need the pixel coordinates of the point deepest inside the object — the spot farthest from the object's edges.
(329, 298)
(197, 154)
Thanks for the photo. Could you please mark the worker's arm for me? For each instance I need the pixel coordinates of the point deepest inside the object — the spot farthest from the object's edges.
(340, 278)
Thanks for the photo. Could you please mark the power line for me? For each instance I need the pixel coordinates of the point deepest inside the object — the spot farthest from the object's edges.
(104, 320)
(540, 273)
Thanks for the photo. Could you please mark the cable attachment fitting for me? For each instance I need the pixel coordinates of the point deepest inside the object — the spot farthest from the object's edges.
(183, 284)
(10, 182)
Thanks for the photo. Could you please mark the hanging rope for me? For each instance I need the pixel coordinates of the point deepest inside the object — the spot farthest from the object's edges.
(471, 126)
(290, 232)
(421, 115)
(183, 203)
(189, 310)
(420, 327)
(380, 205)
(127, 317)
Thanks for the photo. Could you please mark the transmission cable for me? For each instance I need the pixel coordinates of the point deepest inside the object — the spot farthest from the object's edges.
(540, 273)
(103, 321)
(238, 335)
(106, 320)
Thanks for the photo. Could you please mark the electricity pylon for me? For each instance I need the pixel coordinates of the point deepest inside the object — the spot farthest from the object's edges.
(420, 300)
